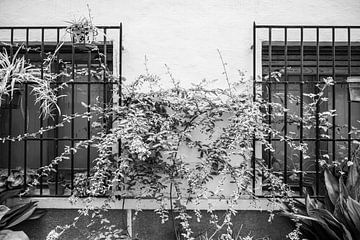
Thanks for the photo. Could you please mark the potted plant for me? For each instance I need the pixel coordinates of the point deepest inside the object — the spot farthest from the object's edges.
(82, 31)
(13, 72)
(15, 178)
(56, 184)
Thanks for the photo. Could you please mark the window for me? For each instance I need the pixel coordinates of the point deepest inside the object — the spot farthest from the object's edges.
(304, 55)
(85, 65)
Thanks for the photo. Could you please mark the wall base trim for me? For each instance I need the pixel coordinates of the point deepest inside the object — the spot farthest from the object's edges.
(151, 204)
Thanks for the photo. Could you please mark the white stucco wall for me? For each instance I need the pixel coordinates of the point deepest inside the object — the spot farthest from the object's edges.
(184, 34)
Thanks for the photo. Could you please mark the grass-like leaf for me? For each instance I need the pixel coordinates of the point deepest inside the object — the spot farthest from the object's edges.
(332, 186)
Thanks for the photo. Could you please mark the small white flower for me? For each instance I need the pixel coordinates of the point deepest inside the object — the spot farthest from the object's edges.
(53, 235)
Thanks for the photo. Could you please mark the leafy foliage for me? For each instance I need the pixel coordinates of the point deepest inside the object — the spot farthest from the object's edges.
(156, 128)
(14, 71)
(14, 215)
(338, 217)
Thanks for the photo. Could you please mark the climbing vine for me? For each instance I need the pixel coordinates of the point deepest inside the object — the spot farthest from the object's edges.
(156, 129)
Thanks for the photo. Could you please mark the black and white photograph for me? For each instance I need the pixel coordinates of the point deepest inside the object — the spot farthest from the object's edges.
(179, 120)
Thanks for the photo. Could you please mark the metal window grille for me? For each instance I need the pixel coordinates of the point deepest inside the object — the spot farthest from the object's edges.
(304, 55)
(20, 118)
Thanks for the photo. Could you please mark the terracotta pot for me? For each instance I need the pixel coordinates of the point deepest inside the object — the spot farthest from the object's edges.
(81, 37)
(60, 188)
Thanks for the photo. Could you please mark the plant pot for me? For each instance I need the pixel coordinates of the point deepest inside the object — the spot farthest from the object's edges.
(31, 190)
(81, 37)
(354, 88)
(60, 188)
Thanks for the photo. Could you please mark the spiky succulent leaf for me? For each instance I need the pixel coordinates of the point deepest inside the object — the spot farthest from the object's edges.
(352, 179)
(319, 225)
(9, 194)
(353, 209)
(328, 219)
(38, 213)
(3, 210)
(16, 213)
(22, 217)
(310, 204)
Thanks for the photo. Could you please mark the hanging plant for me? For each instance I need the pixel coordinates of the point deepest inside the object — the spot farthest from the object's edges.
(13, 71)
(82, 31)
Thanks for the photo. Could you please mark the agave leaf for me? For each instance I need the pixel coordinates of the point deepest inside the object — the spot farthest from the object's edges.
(314, 230)
(3, 210)
(292, 216)
(352, 178)
(343, 216)
(343, 191)
(325, 215)
(338, 213)
(15, 212)
(38, 213)
(354, 213)
(14, 209)
(356, 190)
(330, 234)
(332, 186)
(298, 205)
(328, 205)
(333, 223)
(24, 216)
(310, 204)
(9, 194)
(311, 232)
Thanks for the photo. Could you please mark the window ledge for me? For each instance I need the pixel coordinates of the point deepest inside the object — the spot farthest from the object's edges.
(151, 204)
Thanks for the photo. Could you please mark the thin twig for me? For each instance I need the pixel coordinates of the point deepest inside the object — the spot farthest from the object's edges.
(225, 71)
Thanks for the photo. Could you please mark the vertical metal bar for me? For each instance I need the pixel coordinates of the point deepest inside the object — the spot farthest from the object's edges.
(254, 99)
(269, 90)
(285, 104)
(26, 109)
(317, 137)
(120, 64)
(301, 106)
(57, 121)
(333, 95)
(120, 78)
(349, 101)
(41, 119)
(349, 49)
(10, 110)
(105, 97)
(88, 110)
(72, 113)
